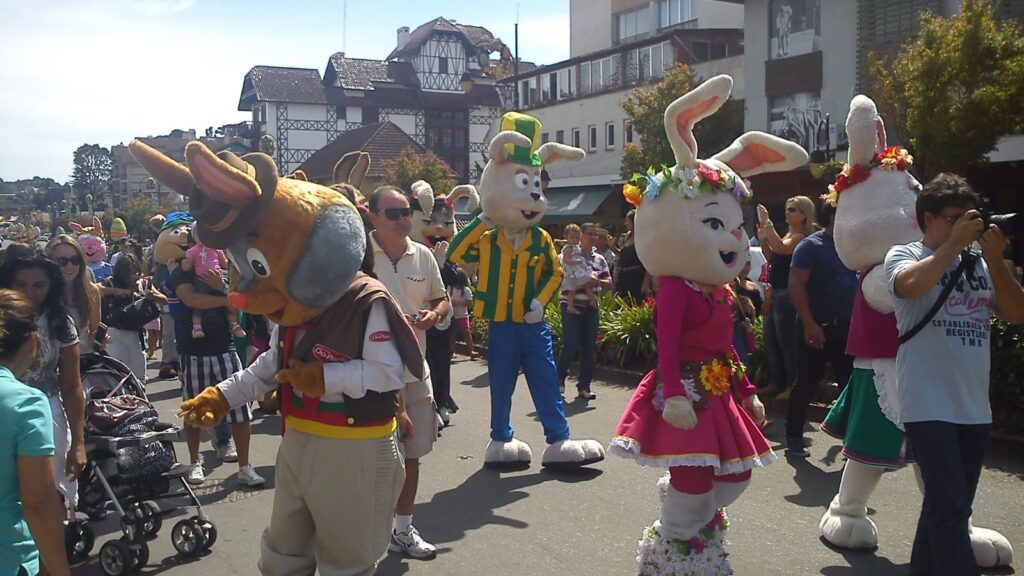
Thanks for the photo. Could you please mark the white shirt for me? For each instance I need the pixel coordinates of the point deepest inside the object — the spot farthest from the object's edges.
(379, 370)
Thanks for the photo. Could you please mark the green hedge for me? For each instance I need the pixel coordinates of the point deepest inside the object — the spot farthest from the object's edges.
(1007, 378)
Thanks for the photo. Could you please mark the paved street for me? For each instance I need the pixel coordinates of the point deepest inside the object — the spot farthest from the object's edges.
(587, 522)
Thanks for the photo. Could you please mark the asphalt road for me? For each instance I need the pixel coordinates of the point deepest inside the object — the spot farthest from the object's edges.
(585, 522)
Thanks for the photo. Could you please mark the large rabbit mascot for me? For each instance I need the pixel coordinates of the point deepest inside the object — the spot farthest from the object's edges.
(510, 248)
(434, 224)
(875, 209)
(338, 357)
(697, 413)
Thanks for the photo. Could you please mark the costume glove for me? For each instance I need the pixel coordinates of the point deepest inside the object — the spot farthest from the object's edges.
(754, 409)
(306, 377)
(679, 412)
(536, 312)
(207, 409)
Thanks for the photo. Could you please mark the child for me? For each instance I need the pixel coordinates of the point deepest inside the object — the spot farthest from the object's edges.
(578, 275)
(203, 260)
(461, 297)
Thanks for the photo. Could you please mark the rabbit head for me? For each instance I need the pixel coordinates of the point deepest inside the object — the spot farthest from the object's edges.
(689, 222)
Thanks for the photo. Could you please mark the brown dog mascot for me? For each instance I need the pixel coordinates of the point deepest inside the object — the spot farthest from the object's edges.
(339, 355)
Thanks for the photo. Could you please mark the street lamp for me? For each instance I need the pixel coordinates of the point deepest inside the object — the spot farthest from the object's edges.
(151, 189)
(820, 159)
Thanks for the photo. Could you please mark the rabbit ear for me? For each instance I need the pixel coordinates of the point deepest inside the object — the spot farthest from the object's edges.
(359, 171)
(424, 195)
(756, 152)
(553, 151)
(692, 107)
(497, 151)
(880, 130)
(862, 128)
(469, 191)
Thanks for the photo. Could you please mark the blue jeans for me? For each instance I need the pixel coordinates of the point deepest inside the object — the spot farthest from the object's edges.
(780, 340)
(950, 457)
(514, 346)
(579, 334)
(221, 434)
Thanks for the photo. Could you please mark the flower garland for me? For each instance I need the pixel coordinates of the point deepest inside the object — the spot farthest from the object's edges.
(702, 179)
(716, 377)
(717, 527)
(892, 158)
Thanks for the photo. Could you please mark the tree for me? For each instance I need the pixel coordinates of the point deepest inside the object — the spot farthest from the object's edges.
(952, 92)
(93, 166)
(412, 165)
(645, 108)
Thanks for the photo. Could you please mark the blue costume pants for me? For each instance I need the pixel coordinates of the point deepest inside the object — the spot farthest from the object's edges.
(514, 346)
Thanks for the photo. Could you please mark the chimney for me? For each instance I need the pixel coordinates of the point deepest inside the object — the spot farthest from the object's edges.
(403, 37)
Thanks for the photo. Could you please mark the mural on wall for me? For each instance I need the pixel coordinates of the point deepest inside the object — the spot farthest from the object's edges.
(796, 117)
(795, 27)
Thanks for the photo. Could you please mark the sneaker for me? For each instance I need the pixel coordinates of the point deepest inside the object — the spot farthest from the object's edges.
(452, 406)
(442, 414)
(247, 476)
(411, 544)
(586, 394)
(795, 447)
(195, 474)
(227, 452)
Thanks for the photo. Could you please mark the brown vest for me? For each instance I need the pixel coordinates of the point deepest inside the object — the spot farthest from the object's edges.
(337, 336)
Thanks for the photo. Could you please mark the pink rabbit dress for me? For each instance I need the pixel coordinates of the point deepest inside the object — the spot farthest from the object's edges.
(694, 327)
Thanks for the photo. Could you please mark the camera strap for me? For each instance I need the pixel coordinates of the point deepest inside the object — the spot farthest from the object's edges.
(966, 261)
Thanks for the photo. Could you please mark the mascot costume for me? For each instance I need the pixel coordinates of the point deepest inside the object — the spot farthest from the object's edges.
(875, 200)
(509, 247)
(434, 227)
(171, 243)
(118, 230)
(95, 249)
(696, 413)
(340, 354)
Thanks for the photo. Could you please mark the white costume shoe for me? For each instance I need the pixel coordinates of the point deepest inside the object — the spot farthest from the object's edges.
(846, 523)
(991, 549)
(511, 454)
(572, 453)
(688, 539)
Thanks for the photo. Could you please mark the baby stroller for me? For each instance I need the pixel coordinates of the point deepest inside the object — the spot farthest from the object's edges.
(132, 464)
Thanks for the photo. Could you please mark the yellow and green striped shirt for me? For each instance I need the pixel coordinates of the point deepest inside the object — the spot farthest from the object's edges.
(508, 279)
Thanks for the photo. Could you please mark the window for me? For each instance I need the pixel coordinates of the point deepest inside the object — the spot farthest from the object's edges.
(576, 137)
(528, 93)
(560, 136)
(545, 137)
(566, 83)
(671, 12)
(632, 24)
(551, 87)
(442, 64)
(592, 140)
(585, 78)
(609, 135)
(627, 132)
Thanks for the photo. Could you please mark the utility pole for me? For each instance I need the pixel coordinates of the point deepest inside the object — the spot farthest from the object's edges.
(515, 62)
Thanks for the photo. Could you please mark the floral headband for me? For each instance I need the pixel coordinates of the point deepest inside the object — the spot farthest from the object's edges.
(892, 158)
(703, 179)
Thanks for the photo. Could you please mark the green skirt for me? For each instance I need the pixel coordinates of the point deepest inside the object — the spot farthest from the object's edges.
(856, 419)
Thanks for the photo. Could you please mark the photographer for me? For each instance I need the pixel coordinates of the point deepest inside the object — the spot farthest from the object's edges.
(943, 368)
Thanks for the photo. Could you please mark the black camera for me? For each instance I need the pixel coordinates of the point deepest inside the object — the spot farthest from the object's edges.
(1010, 224)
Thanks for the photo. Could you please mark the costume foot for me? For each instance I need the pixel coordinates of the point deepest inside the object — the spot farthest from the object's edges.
(845, 530)
(572, 453)
(702, 555)
(511, 454)
(991, 549)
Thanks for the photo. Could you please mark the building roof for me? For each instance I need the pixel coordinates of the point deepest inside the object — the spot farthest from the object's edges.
(384, 141)
(355, 73)
(476, 36)
(279, 84)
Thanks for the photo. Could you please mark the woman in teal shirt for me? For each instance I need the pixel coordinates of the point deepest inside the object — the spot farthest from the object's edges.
(31, 518)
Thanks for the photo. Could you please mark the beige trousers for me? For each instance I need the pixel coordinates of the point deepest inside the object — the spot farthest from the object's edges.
(333, 506)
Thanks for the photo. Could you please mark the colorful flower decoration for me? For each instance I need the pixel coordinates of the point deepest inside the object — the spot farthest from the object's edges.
(892, 158)
(703, 179)
(716, 377)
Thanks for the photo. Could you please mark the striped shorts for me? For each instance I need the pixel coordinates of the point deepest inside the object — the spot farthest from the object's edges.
(200, 372)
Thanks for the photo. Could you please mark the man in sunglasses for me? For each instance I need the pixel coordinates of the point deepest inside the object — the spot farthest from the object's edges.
(410, 272)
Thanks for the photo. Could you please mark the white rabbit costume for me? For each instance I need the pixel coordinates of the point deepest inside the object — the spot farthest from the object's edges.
(686, 415)
(875, 209)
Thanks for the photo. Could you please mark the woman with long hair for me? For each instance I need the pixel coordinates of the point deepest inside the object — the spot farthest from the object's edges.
(461, 297)
(31, 519)
(81, 295)
(780, 322)
(55, 370)
(126, 341)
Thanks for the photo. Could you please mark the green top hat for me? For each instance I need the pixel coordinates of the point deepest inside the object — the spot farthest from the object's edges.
(527, 126)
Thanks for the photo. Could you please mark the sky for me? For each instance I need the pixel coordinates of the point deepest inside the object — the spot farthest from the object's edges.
(101, 72)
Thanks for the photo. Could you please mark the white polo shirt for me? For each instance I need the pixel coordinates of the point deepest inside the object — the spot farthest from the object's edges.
(414, 281)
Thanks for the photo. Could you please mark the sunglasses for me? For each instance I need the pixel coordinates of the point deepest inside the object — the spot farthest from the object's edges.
(791, 209)
(395, 214)
(65, 261)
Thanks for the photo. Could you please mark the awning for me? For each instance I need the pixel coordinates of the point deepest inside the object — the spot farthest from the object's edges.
(574, 203)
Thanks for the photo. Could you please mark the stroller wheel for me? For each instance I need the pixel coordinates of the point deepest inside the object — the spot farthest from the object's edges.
(115, 558)
(187, 538)
(139, 554)
(209, 531)
(151, 519)
(79, 540)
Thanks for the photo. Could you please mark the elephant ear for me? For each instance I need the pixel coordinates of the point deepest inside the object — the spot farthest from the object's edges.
(692, 107)
(754, 153)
